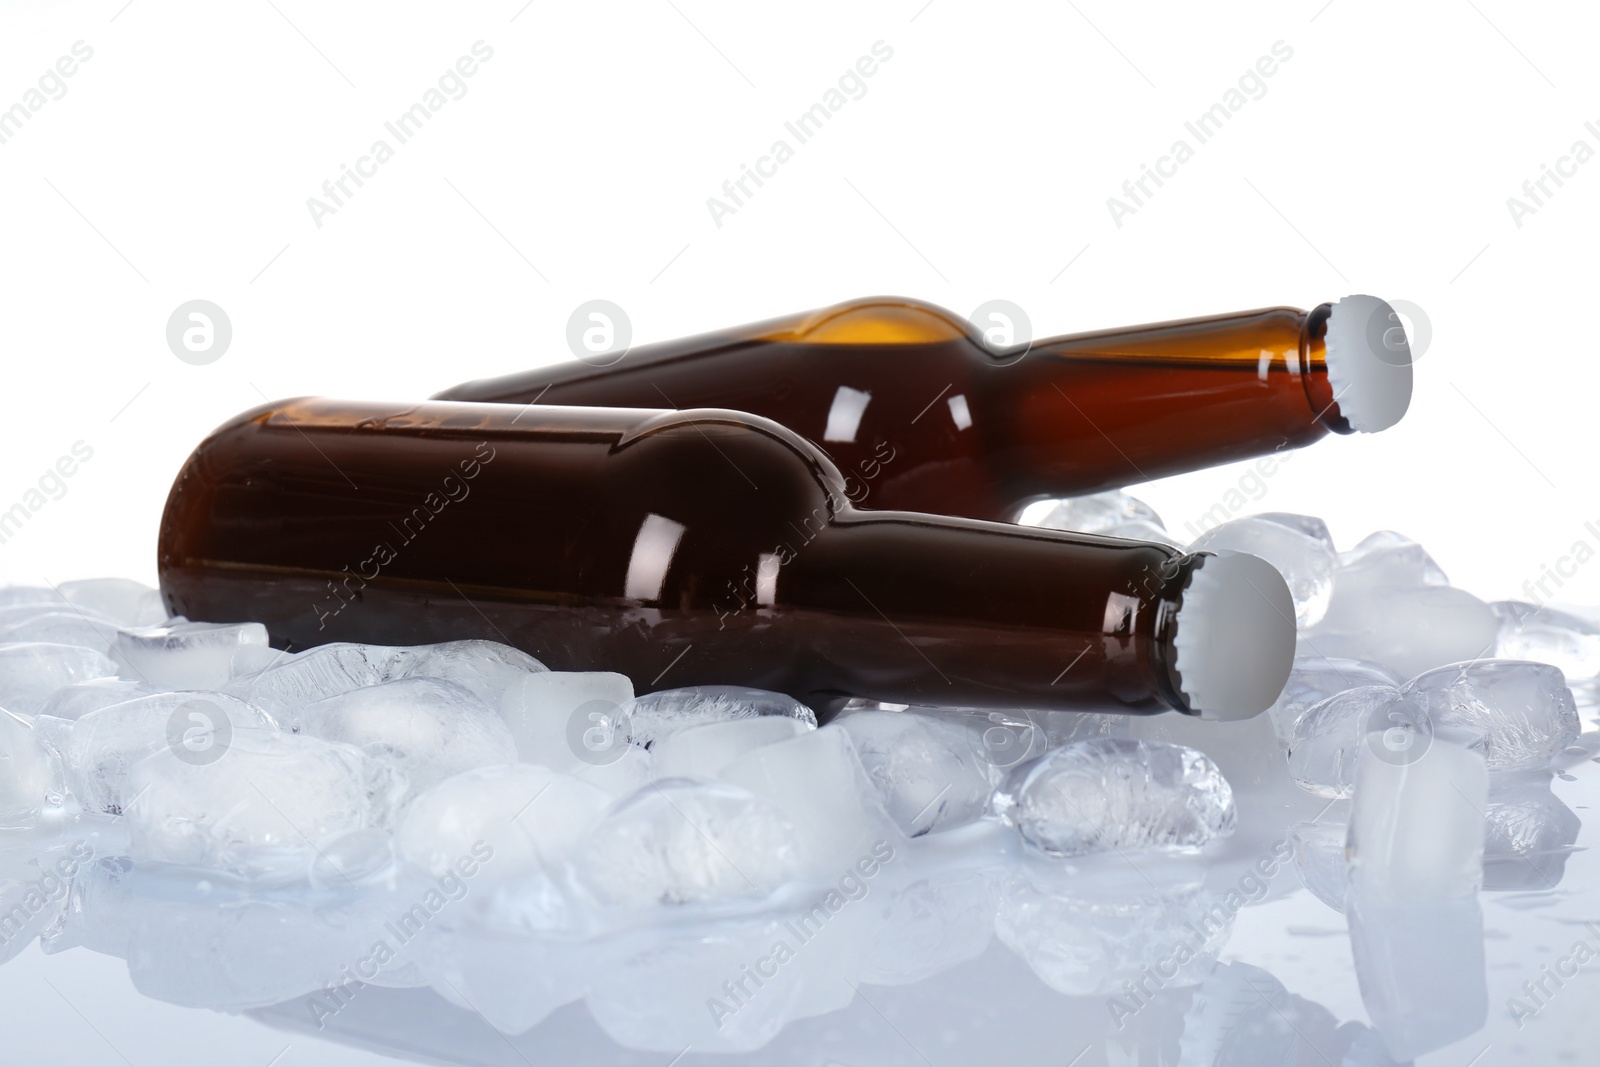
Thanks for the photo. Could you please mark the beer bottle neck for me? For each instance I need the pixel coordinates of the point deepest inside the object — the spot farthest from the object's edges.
(1103, 410)
(963, 613)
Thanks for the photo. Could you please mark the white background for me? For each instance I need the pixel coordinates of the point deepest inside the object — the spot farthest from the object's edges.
(977, 165)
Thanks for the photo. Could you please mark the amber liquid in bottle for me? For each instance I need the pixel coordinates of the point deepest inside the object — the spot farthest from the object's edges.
(921, 416)
(677, 547)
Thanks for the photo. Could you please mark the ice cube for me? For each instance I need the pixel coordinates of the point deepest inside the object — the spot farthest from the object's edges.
(1309, 525)
(1313, 679)
(1523, 711)
(31, 672)
(1098, 512)
(30, 775)
(1417, 820)
(428, 729)
(1306, 563)
(1407, 628)
(1388, 558)
(1319, 859)
(78, 699)
(566, 720)
(66, 627)
(486, 668)
(702, 751)
(1529, 833)
(927, 771)
(123, 600)
(666, 711)
(680, 841)
(185, 655)
(103, 745)
(260, 810)
(294, 681)
(1322, 748)
(31, 595)
(816, 780)
(511, 819)
(1117, 794)
(1545, 635)
(286, 683)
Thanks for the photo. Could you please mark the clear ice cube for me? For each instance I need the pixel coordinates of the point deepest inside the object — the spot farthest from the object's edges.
(1098, 512)
(1306, 563)
(1417, 821)
(1322, 748)
(568, 720)
(1313, 679)
(30, 774)
(185, 655)
(261, 810)
(512, 819)
(78, 699)
(1117, 794)
(32, 671)
(122, 600)
(427, 729)
(702, 751)
(1309, 525)
(817, 782)
(1319, 859)
(102, 746)
(927, 771)
(1389, 558)
(666, 711)
(1546, 635)
(1409, 628)
(288, 683)
(1523, 712)
(679, 841)
(64, 627)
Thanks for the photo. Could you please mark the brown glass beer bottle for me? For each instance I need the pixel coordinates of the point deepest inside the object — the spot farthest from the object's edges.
(693, 547)
(921, 413)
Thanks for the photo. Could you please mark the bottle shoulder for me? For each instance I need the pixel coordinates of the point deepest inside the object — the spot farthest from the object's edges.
(878, 320)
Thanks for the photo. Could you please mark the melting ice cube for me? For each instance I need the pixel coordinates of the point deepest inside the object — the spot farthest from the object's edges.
(680, 842)
(1115, 794)
(1523, 712)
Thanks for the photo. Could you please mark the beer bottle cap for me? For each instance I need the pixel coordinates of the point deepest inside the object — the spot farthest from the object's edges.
(1369, 363)
(1235, 636)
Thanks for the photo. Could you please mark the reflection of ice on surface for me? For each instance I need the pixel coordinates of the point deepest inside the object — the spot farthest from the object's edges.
(1105, 936)
(605, 922)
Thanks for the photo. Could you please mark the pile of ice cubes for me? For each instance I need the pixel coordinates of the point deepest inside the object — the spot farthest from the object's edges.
(312, 798)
